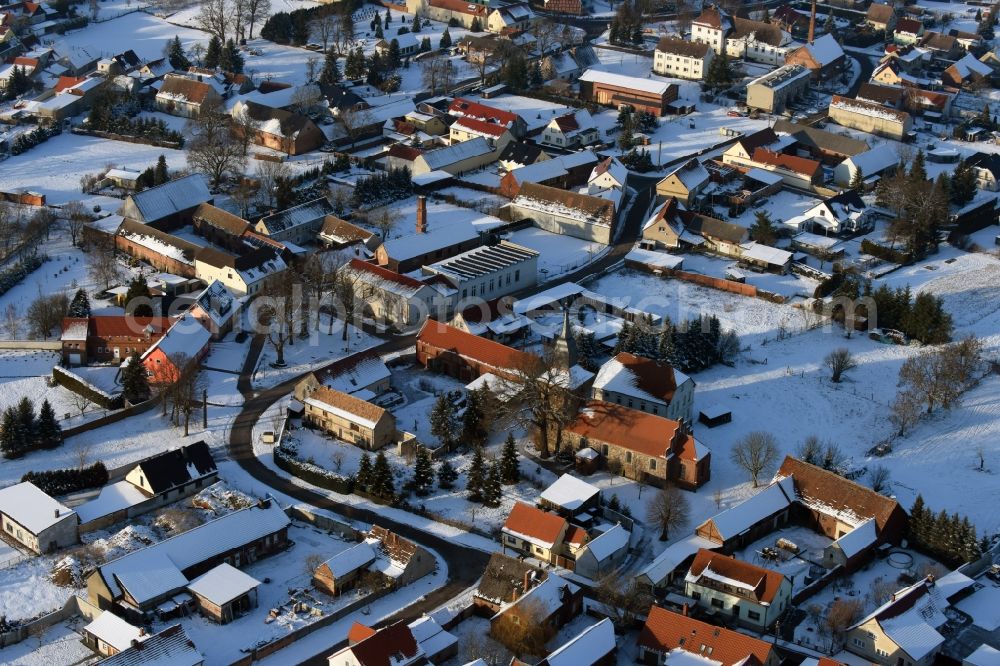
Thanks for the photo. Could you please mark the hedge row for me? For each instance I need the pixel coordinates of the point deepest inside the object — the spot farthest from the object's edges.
(11, 277)
(828, 286)
(885, 253)
(65, 481)
(312, 473)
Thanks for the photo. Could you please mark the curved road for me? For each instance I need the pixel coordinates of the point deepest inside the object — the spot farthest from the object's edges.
(465, 564)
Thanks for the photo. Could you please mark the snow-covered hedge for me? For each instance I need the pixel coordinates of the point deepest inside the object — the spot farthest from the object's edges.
(312, 473)
(64, 481)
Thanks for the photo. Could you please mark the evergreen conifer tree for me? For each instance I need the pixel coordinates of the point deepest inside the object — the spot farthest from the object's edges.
(9, 445)
(48, 432)
(445, 39)
(80, 305)
(26, 426)
(442, 422)
(378, 31)
(510, 471)
(161, 174)
(858, 181)
(423, 473)
(446, 475)
(331, 71)
(918, 169)
(493, 488)
(135, 383)
(476, 25)
(137, 289)
(364, 475)
(176, 56)
(475, 480)
(474, 431)
(382, 485)
(416, 24)
(213, 53)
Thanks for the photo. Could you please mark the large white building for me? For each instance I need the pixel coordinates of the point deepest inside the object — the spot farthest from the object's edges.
(682, 59)
(489, 272)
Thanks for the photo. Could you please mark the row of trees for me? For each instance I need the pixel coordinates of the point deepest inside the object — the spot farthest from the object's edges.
(694, 345)
(25, 141)
(946, 537)
(224, 56)
(935, 378)
(382, 188)
(626, 26)
(921, 317)
(21, 430)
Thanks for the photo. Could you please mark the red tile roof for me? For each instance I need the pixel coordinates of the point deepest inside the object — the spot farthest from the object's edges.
(711, 16)
(665, 631)
(567, 122)
(67, 82)
(764, 581)
(386, 274)
(470, 109)
(627, 428)
(385, 646)
(530, 521)
(403, 152)
(359, 632)
(483, 126)
(576, 535)
(22, 61)
(460, 6)
(448, 338)
(653, 377)
(122, 326)
(791, 162)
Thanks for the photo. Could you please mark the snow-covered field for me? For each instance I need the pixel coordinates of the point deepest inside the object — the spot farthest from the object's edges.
(558, 254)
(322, 347)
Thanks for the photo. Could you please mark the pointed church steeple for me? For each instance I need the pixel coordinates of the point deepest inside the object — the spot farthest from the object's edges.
(564, 346)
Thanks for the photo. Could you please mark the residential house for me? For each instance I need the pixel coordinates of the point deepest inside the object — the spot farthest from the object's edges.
(277, 129)
(872, 164)
(215, 307)
(36, 521)
(674, 561)
(463, 11)
(569, 213)
(434, 641)
(891, 96)
(906, 629)
(466, 128)
(363, 375)
(740, 154)
(663, 230)
(453, 352)
(603, 553)
(682, 59)
(842, 213)
(742, 524)
(184, 344)
(968, 71)
(824, 57)
(647, 385)
(872, 118)
(640, 445)
(616, 90)
(220, 227)
(594, 646)
(908, 31)
(942, 47)
(488, 272)
(752, 596)
(109, 338)
(519, 154)
(384, 557)
(350, 419)
(773, 91)
(393, 645)
(791, 21)
(712, 235)
(685, 182)
(298, 224)
(552, 603)
(571, 131)
(432, 124)
(711, 27)
(337, 234)
(910, 59)
(562, 171)
(494, 320)
(176, 473)
(968, 40)
(171, 646)
(757, 41)
(395, 298)
(184, 96)
(795, 171)
(407, 44)
(764, 257)
(515, 16)
(237, 538)
(224, 593)
(69, 97)
(827, 147)
(456, 158)
(464, 108)
(608, 174)
(107, 634)
(986, 166)
(243, 275)
(881, 17)
(503, 582)
(169, 205)
(569, 497)
(667, 636)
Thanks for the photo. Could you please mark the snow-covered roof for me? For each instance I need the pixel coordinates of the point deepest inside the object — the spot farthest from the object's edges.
(691, 174)
(631, 375)
(548, 595)
(858, 539)
(441, 232)
(28, 506)
(114, 631)
(984, 655)
(781, 77)
(115, 497)
(457, 152)
(169, 198)
(589, 645)
(156, 570)
(539, 171)
(360, 376)
(763, 176)
(815, 240)
(737, 519)
(223, 584)
(653, 86)
(569, 492)
(217, 302)
(674, 555)
(825, 50)
(548, 297)
(608, 543)
(170, 647)
(309, 212)
(356, 557)
(915, 631)
(430, 636)
(654, 258)
(187, 336)
(952, 583)
(874, 161)
(869, 109)
(765, 253)
(969, 65)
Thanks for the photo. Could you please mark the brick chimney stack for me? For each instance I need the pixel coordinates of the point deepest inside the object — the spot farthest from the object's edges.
(421, 214)
(812, 22)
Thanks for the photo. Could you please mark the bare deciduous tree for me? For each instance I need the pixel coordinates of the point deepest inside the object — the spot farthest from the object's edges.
(385, 222)
(624, 600)
(81, 402)
(668, 509)
(12, 322)
(256, 10)
(214, 18)
(904, 413)
(842, 614)
(839, 361)
(46, 313)
(102, 262)
(268, 175)
(324, 25)
(541, 402)
(185, 389)
(212, 148)
(878, 477)
(76, 216)
(437, 73)
(523, 629)
(755, 454)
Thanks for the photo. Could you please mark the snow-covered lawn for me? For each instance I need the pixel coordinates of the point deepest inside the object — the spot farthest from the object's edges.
(319, 349)
(37, 388)
(59, 644)
(795, 567)
(789, 285)
(145, 34)
(559, 254)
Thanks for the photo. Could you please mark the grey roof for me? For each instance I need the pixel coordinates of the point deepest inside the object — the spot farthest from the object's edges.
(170, 647)
(811, 137)
(709, 226)
(482, 261)
(442, 157)
(503, 579)
(307, 213)
(170, 198)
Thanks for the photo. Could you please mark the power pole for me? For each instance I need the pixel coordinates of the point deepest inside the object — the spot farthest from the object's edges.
(204, 409)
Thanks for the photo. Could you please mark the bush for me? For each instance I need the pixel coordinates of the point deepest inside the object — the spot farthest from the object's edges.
(11, 277)
(828, 286)
(75, 23)
(885, 253)
(312, 473)
(28, 140)
(65, 481)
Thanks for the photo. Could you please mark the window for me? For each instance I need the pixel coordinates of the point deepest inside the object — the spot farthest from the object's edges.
(517, 275)
(604, 449)
(628, 456)
(652, 463)
(753, 615)
(718, 603)
(858, 642)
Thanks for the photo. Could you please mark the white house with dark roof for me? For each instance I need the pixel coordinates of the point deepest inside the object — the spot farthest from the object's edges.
(215, 307)
(603, 553)
(298, 224)
(571, 130)
(243, 275)
(647, 385)
(569, 496)
(35, 520)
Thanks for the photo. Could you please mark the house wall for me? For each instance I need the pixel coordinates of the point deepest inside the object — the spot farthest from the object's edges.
(678, 409)
(383, 305)
(493, 285)
(218, 332)
(538, 552)
(606, 95)
(672, 186)
(60, 535)
(449, 363)
(886, 127)
(682, 67)
(155, 259)
(350, 430)
(420, 165)
(566, 226)
(739, 608)
(756, 51)
(588, 566)
(775, 100)
(413, 263)
(662, 235)
(704, 34)
(224, 274)
(460, 135)
(870, 642)
(334, 585)
(770, 524)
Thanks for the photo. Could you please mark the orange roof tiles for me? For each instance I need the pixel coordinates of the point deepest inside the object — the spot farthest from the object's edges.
(665, 631)
(627, 428)
(463, 107)
(542, 526)
(448, 338)
(791, 162)
(764, 581)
